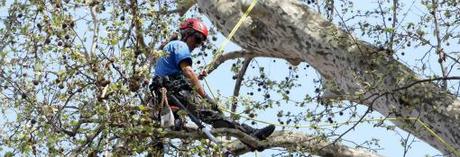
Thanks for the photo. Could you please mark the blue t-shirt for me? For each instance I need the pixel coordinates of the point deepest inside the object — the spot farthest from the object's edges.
(177, 51)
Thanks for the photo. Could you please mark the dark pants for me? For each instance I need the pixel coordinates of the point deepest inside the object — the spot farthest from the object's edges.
(203, 109)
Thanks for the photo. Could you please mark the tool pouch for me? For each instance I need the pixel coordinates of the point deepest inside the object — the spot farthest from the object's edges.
(167, 118)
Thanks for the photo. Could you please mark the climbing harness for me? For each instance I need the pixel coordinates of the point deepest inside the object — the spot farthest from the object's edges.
(166, 115)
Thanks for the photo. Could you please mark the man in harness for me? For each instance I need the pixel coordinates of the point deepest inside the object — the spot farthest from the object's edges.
(174, 72)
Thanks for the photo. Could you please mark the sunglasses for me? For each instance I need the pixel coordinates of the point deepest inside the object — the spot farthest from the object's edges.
(199, 38)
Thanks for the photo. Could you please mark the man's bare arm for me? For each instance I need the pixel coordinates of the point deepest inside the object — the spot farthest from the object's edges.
(188, 72)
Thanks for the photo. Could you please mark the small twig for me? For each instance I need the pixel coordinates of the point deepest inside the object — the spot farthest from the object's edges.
(427, 80)
(236, 90)
(330, 12)
(382, 13)
(8, 25)
(89, 140)
(81, 42)
(128, 35)
(410, 85)
(393, 25)
(439, 50)
(406, 146)
(352, 127)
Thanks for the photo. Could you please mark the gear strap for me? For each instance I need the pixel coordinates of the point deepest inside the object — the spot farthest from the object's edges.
(167, 117)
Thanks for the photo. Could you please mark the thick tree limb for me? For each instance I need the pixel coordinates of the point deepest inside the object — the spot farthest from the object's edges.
(354, 70)
(294, 141)
(289, 140)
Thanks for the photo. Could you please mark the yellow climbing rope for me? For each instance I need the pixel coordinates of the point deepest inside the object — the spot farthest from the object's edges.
(452, 149)
(227, 39)
(235, 28)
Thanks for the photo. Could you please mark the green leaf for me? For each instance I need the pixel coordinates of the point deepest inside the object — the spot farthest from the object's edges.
(389, 30)
(2, 54)
(74, 123)
(38, 66)
(113, 41)
(447, 13)
(141, 107)
(9, 154)
(420, 32)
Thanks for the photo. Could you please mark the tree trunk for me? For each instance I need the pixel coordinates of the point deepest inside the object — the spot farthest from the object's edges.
(352, 69)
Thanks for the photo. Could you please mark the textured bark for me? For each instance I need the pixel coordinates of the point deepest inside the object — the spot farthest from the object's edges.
(300, 141)
(287, 140)
(353, 70)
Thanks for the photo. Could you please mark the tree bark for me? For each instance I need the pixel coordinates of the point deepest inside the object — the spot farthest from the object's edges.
(352, 69)
(300, 141)
(285, 139)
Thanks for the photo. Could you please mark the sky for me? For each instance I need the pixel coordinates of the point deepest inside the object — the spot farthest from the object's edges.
(221, 81)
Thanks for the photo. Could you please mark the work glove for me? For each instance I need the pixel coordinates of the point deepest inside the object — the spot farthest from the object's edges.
(213, 103)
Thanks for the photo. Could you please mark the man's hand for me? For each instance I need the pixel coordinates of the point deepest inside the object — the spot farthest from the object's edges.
(203, 74)
(214, 105)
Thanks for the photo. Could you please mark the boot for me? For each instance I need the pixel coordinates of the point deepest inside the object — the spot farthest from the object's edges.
(217, 120)
(260, 134)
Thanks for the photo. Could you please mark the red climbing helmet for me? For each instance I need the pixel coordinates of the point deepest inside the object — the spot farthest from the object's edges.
(195, 25)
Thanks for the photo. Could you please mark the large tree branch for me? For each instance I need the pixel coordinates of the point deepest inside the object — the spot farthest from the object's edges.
(353, 69)
(288, 140)
(293, 141)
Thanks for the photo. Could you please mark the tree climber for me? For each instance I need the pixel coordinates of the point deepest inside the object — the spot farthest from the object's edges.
(174, 72)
